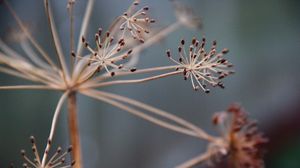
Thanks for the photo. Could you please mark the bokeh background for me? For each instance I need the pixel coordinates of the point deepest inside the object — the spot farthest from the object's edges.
(264, 42)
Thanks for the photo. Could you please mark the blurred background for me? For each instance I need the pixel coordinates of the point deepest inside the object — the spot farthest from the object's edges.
(264, 42)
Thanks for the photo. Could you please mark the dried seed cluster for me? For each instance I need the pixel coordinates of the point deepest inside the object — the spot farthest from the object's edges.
(107, 53)
(137, 22)
(245, 142)
(200, 66)
(58, 159)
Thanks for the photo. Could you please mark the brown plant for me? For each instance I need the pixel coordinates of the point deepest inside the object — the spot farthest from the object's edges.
(113, 55)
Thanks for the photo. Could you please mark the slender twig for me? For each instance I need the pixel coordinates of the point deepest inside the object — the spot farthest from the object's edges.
(29, 36)
(72, 45)
(140, 114)
(85, 22)
(110, 83)
(201, 133)
(56, 40)
(28, 87)
(33, 56)
(14, 73)
(53, 126)
(23, 69)
(139, 71)
(6, 49)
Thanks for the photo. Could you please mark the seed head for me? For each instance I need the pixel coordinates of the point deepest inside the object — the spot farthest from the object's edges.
(137, 23)
(200, 66)
(243, 140)
(108, 52)
(56, 161)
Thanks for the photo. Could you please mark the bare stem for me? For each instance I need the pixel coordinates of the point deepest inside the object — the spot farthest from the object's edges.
(14, 73)
(29, 87)
(73, 129)
(53, 126)
(139, 71)
(29, 36)
(72, 45)
(142, 115)
(85, 22)
(56, 40)
(104, 95)
(110, 83)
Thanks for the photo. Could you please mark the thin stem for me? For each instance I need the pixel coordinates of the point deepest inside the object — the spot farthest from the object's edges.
(74, 130)
(201, 133)
(195, 161)
(85, 22)
(29, 87)
(29, 36)
(25, 45)
(56, 40)
(110, 83)
(25, 70)
(15, 73)
(139, 71)
(140, 114)
(8, 51)
(40, 75)
(72, 45)
(53, 126)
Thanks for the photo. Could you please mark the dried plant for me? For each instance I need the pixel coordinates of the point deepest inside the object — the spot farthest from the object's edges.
(240, 141)
(113, 54)
(200, 66)
(58, 159)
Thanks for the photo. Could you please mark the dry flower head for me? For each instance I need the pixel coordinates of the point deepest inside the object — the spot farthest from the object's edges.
(57, 160)
(107, 53)
(240, 144)
(243, 140)
(136, 22)
(200, 66)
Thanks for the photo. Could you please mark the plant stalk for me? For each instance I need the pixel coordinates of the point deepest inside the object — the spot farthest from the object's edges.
(74, 131)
